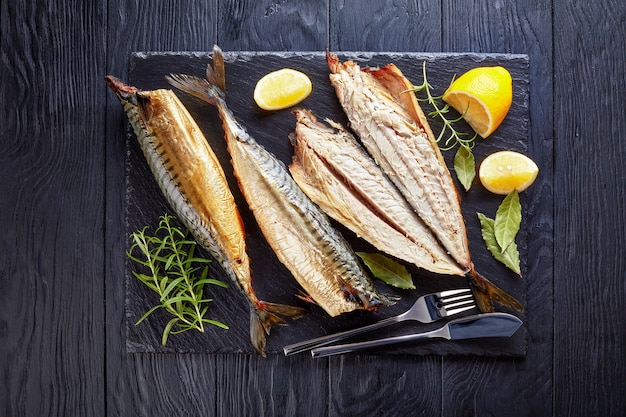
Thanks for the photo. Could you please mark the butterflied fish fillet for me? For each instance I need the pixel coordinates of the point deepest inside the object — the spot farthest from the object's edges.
(340, 177)
(394, 130)
(299, 233)
(193, 182)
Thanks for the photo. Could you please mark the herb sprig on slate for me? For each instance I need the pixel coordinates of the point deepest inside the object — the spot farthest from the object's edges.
(167, 265)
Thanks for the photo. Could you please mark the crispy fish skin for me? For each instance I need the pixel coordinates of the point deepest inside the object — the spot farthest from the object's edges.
(340, 177)
(194, 184)
(394, 130)
(299, 233)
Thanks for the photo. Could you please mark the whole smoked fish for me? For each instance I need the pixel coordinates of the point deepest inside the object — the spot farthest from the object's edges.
(193, 182)
(394, 130)
(299, 233)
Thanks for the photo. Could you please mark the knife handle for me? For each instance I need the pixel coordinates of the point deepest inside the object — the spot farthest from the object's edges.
(325, 340)
(353, 347)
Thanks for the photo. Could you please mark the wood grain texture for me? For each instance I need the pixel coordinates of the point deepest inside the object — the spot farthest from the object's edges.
(51, 171)
(512, 28)
(590, 277)
(379, 386)
(274, 386)
(273, 25)
(62, 330)
(389, 25)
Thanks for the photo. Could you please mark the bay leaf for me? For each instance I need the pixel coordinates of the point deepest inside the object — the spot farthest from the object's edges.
(387, 270)
(508, 220)
(465, 167)
(510, 256)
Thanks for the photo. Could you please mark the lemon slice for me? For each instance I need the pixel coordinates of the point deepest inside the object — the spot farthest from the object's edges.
(505, 171)
(483, 96)
(282, 89)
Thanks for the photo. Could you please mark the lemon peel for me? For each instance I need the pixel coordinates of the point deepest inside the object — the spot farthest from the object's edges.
(483, 96)
(506, 171)
(282, 89)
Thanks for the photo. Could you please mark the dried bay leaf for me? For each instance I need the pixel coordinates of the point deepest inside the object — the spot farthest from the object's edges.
(508, 220)
(387, 270)
(510, 256)
(465, 167)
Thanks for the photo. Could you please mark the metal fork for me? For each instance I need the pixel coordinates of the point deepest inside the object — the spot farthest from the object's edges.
(426, 309)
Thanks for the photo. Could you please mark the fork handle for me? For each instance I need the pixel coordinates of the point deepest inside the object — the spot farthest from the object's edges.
(325, 340)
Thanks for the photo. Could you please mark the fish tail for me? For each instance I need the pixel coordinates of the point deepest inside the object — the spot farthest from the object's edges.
(200, 88)
(370, 300)
(264, 315)
(380, 300)
(485, 293)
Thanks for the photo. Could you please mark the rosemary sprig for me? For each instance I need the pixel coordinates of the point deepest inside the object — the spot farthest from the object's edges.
(464, 164)
(170, 269)
(455, 137)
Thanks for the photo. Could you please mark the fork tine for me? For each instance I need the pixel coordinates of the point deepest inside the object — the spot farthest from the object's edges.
(453, 311)
(454, 299)
(457, 303)
(448, 293)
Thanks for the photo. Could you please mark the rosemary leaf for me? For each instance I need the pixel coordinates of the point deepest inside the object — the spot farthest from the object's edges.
(168, 329)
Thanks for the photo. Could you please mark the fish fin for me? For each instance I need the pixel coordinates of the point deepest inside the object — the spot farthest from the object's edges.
(368, 301)
(218, 76)
(485, 293)
(306, 298)
(285, 310)
(380, 300)
(264, 315)
(332, 61)
(200, 88)
(257, 331)
(144, 106)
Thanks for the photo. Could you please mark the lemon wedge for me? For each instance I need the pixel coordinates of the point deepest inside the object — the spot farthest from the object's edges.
(505, 171)
(483, 96)
(282, 89)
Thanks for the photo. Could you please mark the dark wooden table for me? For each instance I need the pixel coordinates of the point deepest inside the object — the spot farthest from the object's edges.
(62, 324)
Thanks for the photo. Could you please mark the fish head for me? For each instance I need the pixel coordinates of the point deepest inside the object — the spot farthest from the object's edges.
(124, 92)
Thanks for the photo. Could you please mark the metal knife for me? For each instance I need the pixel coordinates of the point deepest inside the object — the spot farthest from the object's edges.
(470, 327)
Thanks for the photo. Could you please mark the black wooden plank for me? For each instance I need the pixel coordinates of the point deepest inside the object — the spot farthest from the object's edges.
(146, 385)
(497, 385)
(273, 25)
(51, 205)
(385, 26)
(590, 207)
(273, 386)
(382, 386)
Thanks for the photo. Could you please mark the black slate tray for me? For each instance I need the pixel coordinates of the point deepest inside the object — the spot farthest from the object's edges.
(144, 202)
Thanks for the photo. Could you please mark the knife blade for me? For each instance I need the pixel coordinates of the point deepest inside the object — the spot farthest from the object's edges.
(470, 327)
